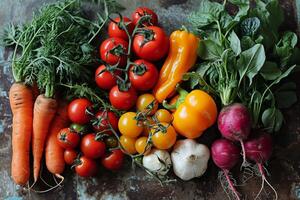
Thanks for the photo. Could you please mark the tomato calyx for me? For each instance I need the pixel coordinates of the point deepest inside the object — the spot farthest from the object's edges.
(77, 161)
(100, 136)
(148, 35)
(118, 50)
(123, 85)
(139, 69)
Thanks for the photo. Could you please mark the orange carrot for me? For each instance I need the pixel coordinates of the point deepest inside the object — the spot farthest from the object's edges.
(54, 153)
(21, 103)
(43, 113)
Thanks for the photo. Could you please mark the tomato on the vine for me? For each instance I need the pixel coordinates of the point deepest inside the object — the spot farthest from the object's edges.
(128, 144)
(116, 30)
(79, 128)
(113, 160)
(147, 103)
(68, 139)
(111, 142)
(163, 115)
(142, 11)
(164, 139)
(85, 167)
(70, 156)
(151, 43)
(114, 50)
(122, 100)
(106, 79)
(143, 75)
(141, 145)
(129, 126)
(103, 120)
(79, 111)
(92, 148)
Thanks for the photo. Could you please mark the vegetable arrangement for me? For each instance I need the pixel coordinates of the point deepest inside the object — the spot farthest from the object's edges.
(231, 63)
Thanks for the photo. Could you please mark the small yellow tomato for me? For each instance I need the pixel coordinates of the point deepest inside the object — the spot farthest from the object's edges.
(146, 103)
(141, 145)
(164, 116)
(128, 144)
(129, 126)
(164, 139)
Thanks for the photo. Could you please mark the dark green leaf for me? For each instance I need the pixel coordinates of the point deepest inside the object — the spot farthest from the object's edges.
(251, 61)
(272, 119)
(285, 99)
(243, 6)
(284, 74)
(209, 50)
(270, 71)
(247, 42)
(250, 26)
(235, 43)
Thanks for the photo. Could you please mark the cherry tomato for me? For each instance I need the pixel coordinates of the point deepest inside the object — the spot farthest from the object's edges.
(79, 128)
(103, 119)
(163, 115)
(143, 76)
(106, 79)
(114, 160)
(151, 49)
(116, 30)
(146, 103)
(122, 100)
(111, 142)
(129, 126)
(141, 11)
(68, 139)
(164, 140)
(78, 111)
(114, 50)
(141, 145)
(92, 148)
(70, 156)
(86, 167)
(128, 144)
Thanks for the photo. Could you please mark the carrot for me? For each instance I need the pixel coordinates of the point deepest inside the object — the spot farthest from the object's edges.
(43, 113)
(21, 103)
(54, 153)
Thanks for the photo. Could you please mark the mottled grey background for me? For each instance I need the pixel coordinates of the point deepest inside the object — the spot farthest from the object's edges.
(129, 184)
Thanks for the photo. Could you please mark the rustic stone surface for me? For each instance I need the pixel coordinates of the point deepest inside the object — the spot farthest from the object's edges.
(129, 184)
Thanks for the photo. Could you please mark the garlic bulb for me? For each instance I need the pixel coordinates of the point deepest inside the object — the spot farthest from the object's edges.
(157, 161)
(189, 159)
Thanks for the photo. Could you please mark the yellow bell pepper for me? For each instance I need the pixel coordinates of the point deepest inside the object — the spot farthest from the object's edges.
(195, 114)
(182, 56)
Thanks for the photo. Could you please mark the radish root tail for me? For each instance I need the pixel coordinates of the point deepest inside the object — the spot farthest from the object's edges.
(228, 184)
(245, 162)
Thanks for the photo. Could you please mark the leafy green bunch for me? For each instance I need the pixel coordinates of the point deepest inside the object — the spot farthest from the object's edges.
(245, 57)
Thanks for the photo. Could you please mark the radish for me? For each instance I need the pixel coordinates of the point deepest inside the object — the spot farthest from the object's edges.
(259, 149)
(225, 155)
(234, 123)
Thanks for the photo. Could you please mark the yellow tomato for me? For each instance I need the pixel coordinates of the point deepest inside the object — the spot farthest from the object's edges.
(129, 126)
(128, 144)
(141, 145)
(164, 116)
(146, 102)
(164, 140)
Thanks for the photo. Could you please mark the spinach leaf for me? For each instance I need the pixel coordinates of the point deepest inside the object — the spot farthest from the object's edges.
(235, 43)
(251, 61)
(285, 95)
(270, 71)
(209, 50)
(247, 42)
(250, 26)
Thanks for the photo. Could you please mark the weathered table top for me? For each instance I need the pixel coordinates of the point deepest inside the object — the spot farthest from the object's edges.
(135, 184)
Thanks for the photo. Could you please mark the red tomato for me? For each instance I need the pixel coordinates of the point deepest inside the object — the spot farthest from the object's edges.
(122, 100)
(103, 119)
(151, 49)
(70, 156)
(106, 79)
(144, 76)
(92, 148)
(78, 111)
(116, 30)
(68, 139)
(114, 160)
(114, 50)
(86, 167)
(141, 11)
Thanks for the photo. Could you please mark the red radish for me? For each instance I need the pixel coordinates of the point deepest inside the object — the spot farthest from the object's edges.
(259, 149)
(225, 155)
(234, 123)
